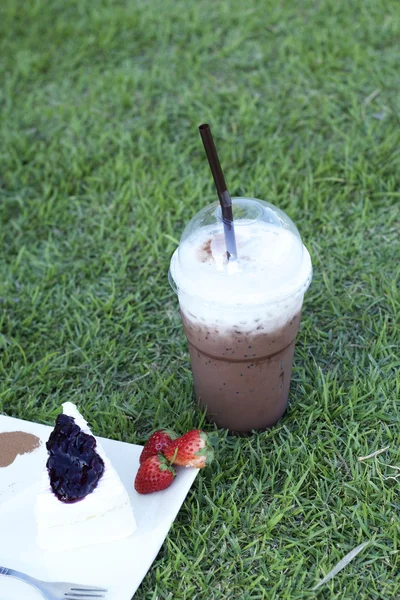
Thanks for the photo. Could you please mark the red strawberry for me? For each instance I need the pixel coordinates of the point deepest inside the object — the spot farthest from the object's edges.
(154, 475)
(156, 443)
(190, 450)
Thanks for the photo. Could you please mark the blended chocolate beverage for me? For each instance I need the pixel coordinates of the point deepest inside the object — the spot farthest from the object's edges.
(241, 317)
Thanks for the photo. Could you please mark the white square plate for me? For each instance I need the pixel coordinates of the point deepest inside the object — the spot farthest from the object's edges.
(118, 566)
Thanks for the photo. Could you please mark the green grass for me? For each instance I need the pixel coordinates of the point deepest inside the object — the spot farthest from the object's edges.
(101, 166)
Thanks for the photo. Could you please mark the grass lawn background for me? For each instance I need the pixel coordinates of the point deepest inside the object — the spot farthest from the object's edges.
(101, 167)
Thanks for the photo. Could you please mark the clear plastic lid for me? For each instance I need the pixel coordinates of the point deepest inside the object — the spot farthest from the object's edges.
(272, 261)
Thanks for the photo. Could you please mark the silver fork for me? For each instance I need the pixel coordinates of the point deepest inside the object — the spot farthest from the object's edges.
(57, 590)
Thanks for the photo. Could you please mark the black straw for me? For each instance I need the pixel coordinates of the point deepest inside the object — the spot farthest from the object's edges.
(222, 190)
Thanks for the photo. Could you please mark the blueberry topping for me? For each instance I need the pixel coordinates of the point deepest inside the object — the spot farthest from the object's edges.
(74, 466)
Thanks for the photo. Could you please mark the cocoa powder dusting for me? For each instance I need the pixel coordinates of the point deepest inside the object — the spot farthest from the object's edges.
(13, 443)
(205, 252)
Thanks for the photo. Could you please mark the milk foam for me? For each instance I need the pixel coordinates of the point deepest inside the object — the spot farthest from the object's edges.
(265, 285)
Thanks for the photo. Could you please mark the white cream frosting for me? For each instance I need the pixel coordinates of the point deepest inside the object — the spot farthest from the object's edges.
(266, 284)
(102, 516)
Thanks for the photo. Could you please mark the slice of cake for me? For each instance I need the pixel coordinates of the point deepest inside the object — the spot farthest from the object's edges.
(82, 501)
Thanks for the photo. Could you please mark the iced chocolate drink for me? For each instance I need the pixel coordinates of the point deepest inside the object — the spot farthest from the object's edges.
(241, 317)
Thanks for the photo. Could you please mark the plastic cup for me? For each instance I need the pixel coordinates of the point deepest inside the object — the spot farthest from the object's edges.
(241, 317)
